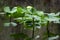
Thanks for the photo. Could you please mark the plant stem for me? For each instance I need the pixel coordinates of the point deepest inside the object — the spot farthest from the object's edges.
(17, 31)
(33, 29)
(23, 24)
(48, 29)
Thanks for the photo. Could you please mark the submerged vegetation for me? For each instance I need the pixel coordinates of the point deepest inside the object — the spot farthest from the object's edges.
(31, 19)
